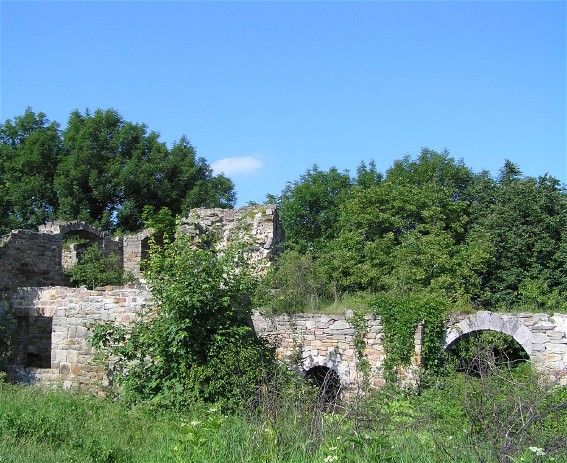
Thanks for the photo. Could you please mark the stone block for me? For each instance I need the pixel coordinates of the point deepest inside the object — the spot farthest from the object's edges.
(75, 369)
(341, 325)
(64, 368)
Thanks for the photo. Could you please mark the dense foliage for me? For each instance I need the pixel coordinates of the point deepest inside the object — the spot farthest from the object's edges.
(501, 417)
(97, 269)
(195, 343)
(100, 169)
(430, 227)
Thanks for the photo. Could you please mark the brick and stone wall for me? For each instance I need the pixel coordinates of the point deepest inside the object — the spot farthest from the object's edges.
(29, 258)
(52, 326)
(309, 340)
(51, 321)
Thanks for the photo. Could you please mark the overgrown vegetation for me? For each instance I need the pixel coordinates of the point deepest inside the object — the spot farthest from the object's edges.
(427, 237)
(503, 415)
(95, 268)
(429, 227)
(195, 342)
(400, 318)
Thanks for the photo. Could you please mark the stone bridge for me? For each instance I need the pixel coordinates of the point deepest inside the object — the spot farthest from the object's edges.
(327, 341)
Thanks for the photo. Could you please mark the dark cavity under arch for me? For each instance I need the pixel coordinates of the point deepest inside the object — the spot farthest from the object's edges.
(477, 351)
(328, 382)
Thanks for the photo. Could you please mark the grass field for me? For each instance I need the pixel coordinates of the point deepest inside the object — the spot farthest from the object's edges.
(441, 424)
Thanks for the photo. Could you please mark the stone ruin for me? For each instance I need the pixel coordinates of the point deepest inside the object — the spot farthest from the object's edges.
(50, 320)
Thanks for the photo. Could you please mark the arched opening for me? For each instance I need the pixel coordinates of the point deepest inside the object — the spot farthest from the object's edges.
(328, 382)
(479, 351)
(74, 243)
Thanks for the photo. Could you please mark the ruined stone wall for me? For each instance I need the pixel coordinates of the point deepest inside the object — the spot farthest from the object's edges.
(135, 250)
(30, 259)
(257, 228)
(308, 340)
(55, 322)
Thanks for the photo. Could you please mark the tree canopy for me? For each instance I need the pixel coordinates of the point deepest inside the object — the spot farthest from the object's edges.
(429, 226)
(100, 168)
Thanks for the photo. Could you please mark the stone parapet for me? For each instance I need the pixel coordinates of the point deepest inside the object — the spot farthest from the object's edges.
(311, 340)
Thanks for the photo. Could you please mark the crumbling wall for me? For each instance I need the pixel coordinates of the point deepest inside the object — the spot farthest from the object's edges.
(52, 327)
(257, 228)
(318, 340)
(30, 259)
(51, 321)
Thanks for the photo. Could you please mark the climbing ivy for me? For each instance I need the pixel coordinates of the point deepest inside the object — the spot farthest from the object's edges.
(400, 317)
(358, 322)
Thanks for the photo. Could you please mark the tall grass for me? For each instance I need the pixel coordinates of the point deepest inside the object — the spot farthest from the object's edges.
(283, 425)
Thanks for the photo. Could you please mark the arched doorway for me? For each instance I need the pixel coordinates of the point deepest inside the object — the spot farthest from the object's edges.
(74, 243)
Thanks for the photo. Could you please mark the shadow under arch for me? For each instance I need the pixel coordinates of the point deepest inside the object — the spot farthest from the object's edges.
(328, 382)
(478, 351)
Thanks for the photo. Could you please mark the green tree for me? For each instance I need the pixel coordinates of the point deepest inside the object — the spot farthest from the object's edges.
(295, 284)
(113, 169)
(309, 207)
(526, 219)
(98, 146)
(411, 231)
(30, 147)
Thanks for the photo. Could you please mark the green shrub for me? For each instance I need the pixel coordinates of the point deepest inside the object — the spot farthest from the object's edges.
(194, 344)
(296, 284)
(97, 269)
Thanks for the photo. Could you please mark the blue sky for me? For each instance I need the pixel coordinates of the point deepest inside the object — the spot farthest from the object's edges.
(264, 90)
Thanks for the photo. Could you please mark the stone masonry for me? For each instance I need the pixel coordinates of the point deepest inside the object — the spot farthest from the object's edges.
(306, 341)
(71, 312)
(51, 322)
(543, 336)
(256, 228)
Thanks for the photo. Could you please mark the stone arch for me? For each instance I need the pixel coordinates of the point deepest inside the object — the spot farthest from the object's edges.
(332, 360)
(74, 241)
(64, 228)
(490, 321)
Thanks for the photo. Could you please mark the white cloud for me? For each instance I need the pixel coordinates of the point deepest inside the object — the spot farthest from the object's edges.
(236, 165)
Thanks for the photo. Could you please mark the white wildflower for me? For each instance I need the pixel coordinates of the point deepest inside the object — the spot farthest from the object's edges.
(538, 451)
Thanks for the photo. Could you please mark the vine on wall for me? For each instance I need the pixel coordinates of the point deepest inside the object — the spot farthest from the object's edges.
(358, 322)
(400, 317)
